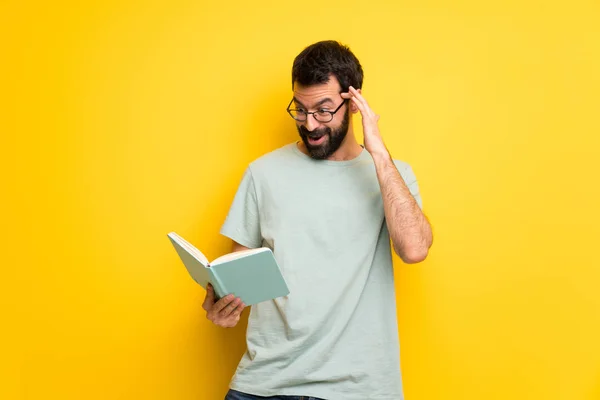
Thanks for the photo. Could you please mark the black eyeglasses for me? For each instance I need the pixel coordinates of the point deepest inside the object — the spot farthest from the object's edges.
(321, 115)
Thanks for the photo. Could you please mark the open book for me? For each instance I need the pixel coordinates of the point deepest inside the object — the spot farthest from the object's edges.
(252, 275)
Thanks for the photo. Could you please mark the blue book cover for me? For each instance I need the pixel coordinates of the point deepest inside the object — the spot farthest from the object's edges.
(252, 275)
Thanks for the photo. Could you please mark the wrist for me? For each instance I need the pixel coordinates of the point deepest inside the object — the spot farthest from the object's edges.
(380, 154)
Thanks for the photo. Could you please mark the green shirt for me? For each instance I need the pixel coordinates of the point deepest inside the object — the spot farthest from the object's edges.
(335, 335)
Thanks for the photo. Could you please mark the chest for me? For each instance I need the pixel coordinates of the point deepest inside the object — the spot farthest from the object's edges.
(334, 204)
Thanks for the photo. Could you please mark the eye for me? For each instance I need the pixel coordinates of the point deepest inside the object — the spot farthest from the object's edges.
(323, 111)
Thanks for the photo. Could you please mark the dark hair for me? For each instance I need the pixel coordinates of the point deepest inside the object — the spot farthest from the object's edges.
(317, 62)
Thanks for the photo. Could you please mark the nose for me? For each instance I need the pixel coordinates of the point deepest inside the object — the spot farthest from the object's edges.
(311, 123)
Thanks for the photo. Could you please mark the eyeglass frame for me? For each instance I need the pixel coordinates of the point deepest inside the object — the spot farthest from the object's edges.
(332, 113)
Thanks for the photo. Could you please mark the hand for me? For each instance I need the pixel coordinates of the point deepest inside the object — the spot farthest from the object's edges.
(225, 312)
(373, 140)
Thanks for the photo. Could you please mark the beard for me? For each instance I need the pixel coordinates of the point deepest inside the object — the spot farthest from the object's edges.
(332, 142)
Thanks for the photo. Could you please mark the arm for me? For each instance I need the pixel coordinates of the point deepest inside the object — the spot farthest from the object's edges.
(235, 246)
(409, 229)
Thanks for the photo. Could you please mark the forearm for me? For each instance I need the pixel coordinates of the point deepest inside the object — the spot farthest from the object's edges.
(409, 228)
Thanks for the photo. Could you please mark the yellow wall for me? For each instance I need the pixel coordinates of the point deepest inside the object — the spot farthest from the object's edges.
(124, 120)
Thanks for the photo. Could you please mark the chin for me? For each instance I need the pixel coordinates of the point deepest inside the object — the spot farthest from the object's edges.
(317, 152)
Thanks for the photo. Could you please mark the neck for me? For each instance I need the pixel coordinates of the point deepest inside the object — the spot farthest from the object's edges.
(348, 150)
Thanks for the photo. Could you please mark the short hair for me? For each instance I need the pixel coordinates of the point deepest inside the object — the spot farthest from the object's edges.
(317, 62)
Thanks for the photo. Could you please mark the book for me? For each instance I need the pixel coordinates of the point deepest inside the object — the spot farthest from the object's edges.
(252, 275)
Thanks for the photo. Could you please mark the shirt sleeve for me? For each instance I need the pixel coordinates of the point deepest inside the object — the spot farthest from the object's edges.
(410, 180)
(242, 223)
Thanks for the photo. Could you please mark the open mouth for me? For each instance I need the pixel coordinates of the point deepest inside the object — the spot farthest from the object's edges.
(315, 141)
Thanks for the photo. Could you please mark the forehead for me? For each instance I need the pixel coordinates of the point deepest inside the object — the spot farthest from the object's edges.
(313, 93)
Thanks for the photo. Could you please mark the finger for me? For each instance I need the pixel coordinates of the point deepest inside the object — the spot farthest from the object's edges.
(225, 312)
(209, 299)
(224, 302)
(361, 106)
(350, 96)
(238, 310)
(365, 111)
(355, 92)
(360, 98)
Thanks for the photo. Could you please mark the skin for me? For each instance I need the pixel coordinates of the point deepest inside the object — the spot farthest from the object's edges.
(409, 228)
(310, 98)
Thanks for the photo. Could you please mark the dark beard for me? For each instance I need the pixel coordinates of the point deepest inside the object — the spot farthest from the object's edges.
(332, 143)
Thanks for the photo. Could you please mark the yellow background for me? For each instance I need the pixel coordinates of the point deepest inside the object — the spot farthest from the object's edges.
(124, 120)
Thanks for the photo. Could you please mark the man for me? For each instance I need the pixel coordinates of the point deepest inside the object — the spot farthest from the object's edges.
(327, 207)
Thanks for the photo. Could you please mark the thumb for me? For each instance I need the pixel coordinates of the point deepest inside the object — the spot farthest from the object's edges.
(209, 299)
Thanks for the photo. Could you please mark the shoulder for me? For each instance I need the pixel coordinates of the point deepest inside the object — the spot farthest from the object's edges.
(405, 170)
(407, 174)
(273, 159)
(400, 164)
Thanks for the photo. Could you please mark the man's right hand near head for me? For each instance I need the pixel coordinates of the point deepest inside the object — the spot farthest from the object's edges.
(224, 312)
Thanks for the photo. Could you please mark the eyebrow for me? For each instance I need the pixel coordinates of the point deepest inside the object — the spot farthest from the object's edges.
(319, 103)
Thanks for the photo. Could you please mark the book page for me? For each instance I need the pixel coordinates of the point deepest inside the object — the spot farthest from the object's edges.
(191, 249)
(237, 254)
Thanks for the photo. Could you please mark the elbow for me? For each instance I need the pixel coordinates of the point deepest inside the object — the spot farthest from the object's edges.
(415, 258)
(412, 255)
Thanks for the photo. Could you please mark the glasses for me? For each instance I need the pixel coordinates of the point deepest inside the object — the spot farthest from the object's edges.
(321, 115)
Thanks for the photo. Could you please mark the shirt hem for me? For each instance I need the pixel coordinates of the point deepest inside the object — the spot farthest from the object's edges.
(325, 395)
